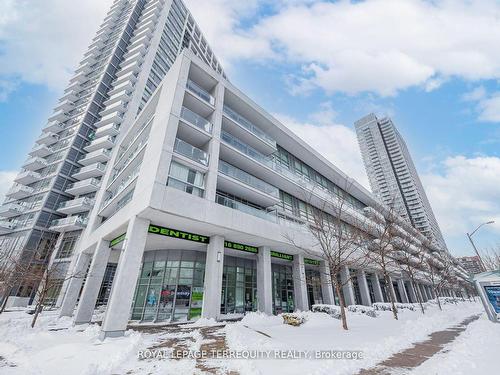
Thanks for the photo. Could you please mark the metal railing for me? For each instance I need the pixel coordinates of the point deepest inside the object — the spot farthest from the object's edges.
(231, 203)
(200, 92)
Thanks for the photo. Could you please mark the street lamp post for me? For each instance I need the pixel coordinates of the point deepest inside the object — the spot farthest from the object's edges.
(474, 246)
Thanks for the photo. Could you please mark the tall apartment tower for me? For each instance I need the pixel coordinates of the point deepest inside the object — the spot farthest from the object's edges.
(393, 176)
(49, 204)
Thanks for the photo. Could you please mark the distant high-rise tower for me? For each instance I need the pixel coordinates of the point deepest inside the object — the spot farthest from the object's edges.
(48, 207)
(393, 176)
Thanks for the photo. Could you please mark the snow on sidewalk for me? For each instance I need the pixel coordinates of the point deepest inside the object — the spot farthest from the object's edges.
(378, 338)
(474, 352)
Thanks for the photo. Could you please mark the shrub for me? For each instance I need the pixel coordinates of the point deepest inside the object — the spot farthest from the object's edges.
(332, 310)
(366, 310)
(293, 319)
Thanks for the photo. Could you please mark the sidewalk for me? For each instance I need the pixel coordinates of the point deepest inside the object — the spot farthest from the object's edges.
(406, 360)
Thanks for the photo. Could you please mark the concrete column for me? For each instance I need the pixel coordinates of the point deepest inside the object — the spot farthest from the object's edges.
(74, 285)
(264, 281)
(93, 283)
(214, 266)
(379, 297)
(326, 284)
(363, 288)
(299, 283)
(412, 290)
(347, 289)
(127, 272)
(402, 291)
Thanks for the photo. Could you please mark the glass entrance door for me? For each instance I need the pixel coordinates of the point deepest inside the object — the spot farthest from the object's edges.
(314, 292)
(283, 296)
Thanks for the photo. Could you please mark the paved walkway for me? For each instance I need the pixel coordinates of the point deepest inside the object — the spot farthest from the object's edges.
(406, 360)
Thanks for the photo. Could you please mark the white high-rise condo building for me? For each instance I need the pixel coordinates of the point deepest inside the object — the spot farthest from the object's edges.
(393, 176)
(188, 193)
(49, 205)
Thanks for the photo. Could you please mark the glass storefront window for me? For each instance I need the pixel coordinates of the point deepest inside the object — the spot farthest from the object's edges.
(313, 282)
(166, 284)
(239, 286)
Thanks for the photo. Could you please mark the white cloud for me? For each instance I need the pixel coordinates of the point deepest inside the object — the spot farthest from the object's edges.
(42, 41)
(487, 104)
(337, 143)
(6, 180)
(465, 193)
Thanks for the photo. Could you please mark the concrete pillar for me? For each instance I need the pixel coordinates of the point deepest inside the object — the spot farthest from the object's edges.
(402, 291)
(264, 281)
(93, 283)
(363, 288)
(127, 272)
(347, 288)
(214, 267)
(326, 284)
(377, 290)
(74, 284)
(299, 283)
(412, 292)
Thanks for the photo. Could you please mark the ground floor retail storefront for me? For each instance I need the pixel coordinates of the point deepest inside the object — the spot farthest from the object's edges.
(181, 276)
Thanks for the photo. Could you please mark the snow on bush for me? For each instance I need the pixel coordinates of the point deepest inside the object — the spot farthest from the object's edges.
(294, 319)
(366, 310)
(332, 310)
(386, 306)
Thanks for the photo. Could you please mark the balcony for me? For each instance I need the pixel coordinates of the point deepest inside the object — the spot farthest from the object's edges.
(247, 131)
(6, 227)
(59, 116)
(200, 93)
(100, 143)
(189, 151)
(41, 150)
(242, 184)
(254, 211)
(108, 130)
(93, 170)
(27, 177)
(68, 224)
(35, 163)
(99, 156)
(19, 192)
(11, 209)
(196, 120)
(89, 185)
(76, 206)
(54, 126)
(48, 138)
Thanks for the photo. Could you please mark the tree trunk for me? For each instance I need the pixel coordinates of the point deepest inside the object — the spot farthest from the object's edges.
(38, 310)
(437, 299)
(417, 294)
(342, 306)
(4, 302)
(392, 297)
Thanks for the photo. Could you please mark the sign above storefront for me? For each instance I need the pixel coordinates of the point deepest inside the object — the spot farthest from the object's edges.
(117, 240)
(312, 262)
(174, 233)
(277, 254)
(241, 247)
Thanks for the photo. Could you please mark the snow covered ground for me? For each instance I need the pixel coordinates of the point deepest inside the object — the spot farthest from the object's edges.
(55, 347)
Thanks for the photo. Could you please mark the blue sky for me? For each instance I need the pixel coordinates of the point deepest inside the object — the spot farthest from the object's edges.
(318, 66)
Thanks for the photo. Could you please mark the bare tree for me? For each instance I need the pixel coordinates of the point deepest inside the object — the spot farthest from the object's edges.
(382, 249)
(491, 258)
(338, 237)
(437, 273)
(14, 270)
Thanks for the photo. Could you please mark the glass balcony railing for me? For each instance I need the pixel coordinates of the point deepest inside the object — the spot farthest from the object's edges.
(240, 120)
(200, 92)
(88, 202)
(87, 182)
(191, 152)
(196, 120)
(68, 221)
(231, 203)
(246, 178)
(98, 166)
(246, 149)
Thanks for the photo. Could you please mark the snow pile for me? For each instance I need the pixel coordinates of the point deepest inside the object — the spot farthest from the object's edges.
(386, 306)
(332, 310)
(368, 311)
